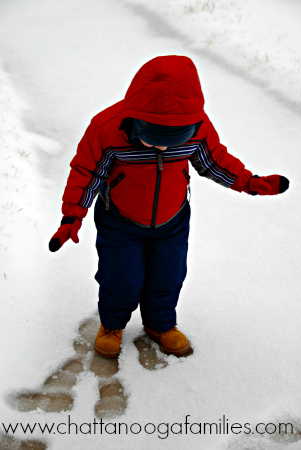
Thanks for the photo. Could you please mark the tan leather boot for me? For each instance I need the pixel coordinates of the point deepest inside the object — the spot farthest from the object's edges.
(107, 342)
(172, 342)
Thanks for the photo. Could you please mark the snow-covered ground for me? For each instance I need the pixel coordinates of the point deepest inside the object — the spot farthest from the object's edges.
(62, 62)
(258, 40)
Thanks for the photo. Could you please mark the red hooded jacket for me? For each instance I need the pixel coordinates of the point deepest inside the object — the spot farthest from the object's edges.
(144, 184)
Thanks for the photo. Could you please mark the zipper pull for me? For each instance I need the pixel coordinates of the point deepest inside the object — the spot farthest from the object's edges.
(160, 161)
(110, 187)
(107, 198)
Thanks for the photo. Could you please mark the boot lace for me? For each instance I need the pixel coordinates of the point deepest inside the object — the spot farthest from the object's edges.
(110, 332)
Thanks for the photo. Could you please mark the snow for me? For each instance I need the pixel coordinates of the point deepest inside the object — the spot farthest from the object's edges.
(257, 40)
(62, 62)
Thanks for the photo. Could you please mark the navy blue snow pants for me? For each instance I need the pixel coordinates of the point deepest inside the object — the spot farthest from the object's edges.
(139, 265)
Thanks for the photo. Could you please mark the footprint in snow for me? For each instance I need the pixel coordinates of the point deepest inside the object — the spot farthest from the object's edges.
(55, 393)
(11, 443)
(150, 357)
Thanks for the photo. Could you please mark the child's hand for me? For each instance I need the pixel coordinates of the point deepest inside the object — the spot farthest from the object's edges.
(68, 229)
(271, 185)
(70, 225)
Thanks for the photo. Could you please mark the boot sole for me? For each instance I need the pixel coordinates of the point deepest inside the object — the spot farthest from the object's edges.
(167, 351)
(105, 353)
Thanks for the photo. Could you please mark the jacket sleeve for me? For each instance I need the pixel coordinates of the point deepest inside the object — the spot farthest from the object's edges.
(212, 160)
(88, 168)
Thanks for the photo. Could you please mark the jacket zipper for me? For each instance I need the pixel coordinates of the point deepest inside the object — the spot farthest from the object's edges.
(110, 187)
(187, 176)
(159, 169)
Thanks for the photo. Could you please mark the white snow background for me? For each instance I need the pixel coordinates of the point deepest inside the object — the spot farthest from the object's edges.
(64, 61)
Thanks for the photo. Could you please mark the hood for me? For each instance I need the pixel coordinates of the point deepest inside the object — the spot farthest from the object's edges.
(165, 91)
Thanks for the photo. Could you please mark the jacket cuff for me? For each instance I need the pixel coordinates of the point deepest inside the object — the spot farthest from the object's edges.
(71, 210)
(241, 182)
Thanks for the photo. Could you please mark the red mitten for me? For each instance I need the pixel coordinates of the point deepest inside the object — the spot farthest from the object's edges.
(271, 185)
(70, 225)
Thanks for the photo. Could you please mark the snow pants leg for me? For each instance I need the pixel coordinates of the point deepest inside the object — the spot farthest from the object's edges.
(138, 265)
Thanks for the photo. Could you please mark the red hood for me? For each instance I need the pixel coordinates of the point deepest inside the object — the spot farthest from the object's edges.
(166, 91)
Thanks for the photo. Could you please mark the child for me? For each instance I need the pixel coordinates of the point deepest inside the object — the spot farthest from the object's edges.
(135, 155)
